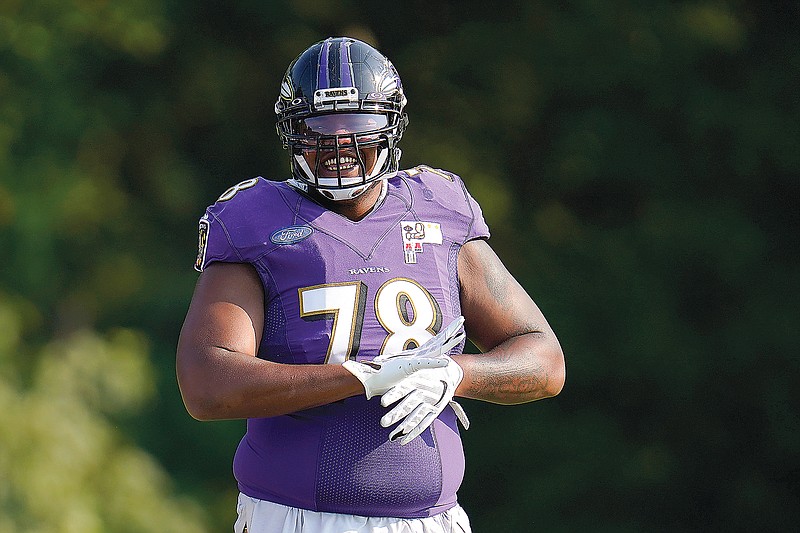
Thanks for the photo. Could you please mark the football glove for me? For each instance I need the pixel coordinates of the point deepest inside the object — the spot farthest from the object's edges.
(440, 344)
(423, 396)
(386, 370)
(380, 376)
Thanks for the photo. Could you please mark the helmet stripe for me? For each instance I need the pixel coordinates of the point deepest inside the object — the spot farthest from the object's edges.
(346, 65)
(334, 68)
(322, 70)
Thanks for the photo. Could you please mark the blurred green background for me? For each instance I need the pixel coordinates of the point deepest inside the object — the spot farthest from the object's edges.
(638, 163)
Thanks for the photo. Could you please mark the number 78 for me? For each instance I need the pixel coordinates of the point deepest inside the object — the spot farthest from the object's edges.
(405, 309)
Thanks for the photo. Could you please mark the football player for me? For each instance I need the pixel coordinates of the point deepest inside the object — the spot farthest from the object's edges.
(330, 313)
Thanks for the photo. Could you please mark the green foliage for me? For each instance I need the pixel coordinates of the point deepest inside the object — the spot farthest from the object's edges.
(637, 163)
(64, 464)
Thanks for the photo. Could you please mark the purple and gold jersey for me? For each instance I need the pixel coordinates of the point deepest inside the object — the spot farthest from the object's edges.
(334, 290)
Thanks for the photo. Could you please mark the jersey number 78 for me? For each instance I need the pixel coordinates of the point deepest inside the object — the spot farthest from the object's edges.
(405, 309)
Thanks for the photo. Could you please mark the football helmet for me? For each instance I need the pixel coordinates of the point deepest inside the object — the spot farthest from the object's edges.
(340, 115)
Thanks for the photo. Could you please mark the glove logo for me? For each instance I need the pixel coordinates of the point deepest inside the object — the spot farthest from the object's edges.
(415, 234)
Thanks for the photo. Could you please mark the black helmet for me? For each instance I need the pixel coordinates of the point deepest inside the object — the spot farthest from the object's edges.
(340, 114)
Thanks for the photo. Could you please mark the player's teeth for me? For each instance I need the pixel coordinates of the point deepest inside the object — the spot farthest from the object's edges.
(343, 162)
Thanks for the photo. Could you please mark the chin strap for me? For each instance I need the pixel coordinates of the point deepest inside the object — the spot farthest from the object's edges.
(305, 187)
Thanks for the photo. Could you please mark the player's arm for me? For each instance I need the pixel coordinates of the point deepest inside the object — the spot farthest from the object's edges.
(220, 376)
(522, 359)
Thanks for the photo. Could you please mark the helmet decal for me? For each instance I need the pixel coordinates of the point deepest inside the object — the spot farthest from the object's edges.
(287, 93)
(389, 81)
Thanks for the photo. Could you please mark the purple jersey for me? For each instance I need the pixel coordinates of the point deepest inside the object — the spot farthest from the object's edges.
(337, 289)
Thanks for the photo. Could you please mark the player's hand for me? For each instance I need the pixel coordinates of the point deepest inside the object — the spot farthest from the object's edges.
(423, 396)
(378, 376)
(386, 370)
(440, 344)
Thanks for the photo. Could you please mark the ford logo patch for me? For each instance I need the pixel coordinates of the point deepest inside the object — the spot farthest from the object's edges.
(291, 235)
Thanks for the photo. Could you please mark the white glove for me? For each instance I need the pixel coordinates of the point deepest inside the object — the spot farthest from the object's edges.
(438, 345)
(386, 370)
(380, 376)
(424, 395)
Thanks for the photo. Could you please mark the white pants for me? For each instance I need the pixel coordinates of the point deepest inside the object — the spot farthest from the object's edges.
(259, 516)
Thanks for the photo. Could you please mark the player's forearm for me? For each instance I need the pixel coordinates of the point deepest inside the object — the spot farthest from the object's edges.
(228, 385)
(522, 369)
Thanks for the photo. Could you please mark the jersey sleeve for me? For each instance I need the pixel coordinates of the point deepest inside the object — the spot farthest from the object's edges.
(227, 229)
(478, 228)
(453, 202)
(212, 243)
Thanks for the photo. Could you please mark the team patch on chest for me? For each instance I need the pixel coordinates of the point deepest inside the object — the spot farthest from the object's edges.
(416, 233)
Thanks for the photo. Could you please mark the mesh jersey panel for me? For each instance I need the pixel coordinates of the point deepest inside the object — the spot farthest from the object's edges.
(365, 479)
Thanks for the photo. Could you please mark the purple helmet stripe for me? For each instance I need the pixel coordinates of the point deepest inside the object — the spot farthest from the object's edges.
(322, 72)
(334, 67)
(346, 65)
